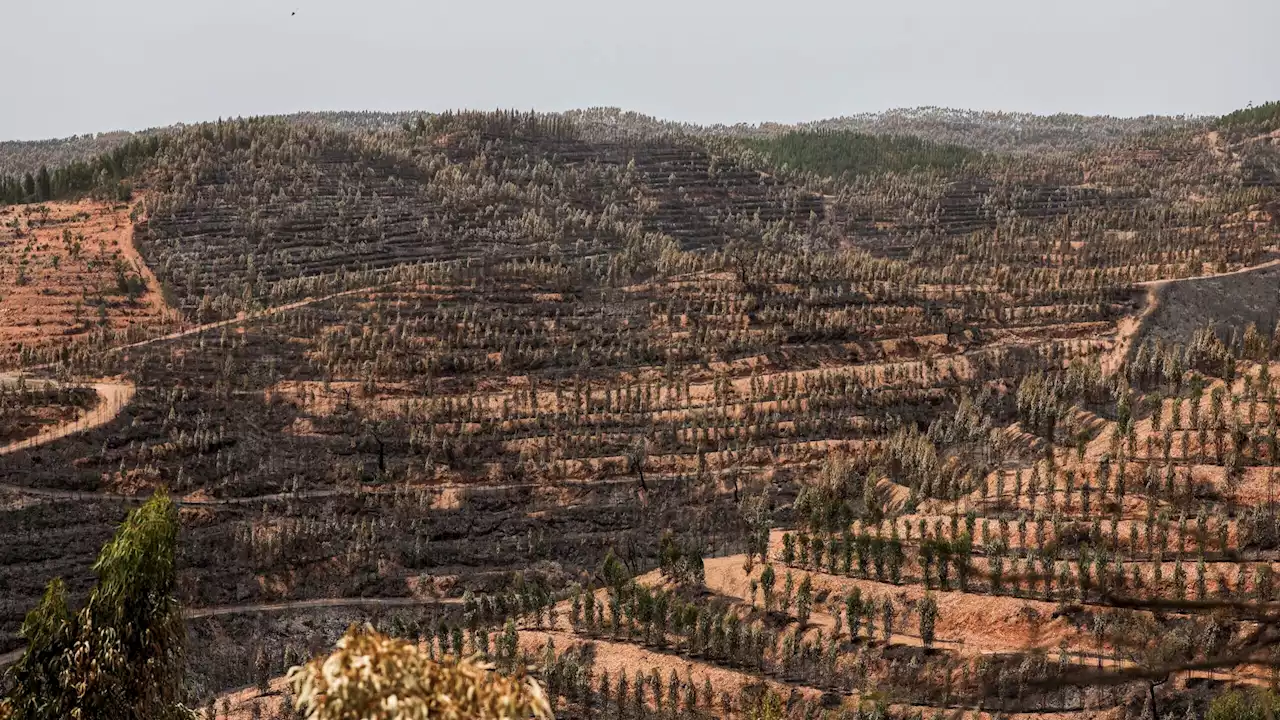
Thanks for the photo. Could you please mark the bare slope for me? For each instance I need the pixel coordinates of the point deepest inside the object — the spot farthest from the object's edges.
(1229, 303)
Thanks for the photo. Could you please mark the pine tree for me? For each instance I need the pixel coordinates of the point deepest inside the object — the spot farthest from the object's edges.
(623, 692)
(44, 186)
(638, 694)
(690, 697)
(673, 690)
(767, 580)
(456, 638)
(853, 611)
(510, 643)
(590, 610)
(927, 607)
(606, 689)
(804, 600)
(887, 622)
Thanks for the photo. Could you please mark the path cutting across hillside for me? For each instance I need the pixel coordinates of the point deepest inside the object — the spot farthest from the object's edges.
(252, 500)
(317, 603)
(114, 395)
(247, 317)
(73, 495)
(1129, 327)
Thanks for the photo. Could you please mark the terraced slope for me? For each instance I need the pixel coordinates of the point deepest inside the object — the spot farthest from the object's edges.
(483, 368)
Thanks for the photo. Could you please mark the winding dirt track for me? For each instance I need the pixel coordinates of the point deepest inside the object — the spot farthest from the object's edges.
(1129, 327)
(114, 395)
(251, 608)
(1211, 276)
(92, 496)
(191, 502)
(246, 317)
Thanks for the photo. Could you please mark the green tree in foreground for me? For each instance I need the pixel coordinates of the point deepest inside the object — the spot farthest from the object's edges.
(1245, 705)
(374, 677)
(121, 655)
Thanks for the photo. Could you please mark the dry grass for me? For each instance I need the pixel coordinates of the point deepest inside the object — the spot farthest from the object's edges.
(60, 270)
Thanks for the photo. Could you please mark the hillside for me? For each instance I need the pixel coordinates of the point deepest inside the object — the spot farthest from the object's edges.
(983, 131)
(443, 371)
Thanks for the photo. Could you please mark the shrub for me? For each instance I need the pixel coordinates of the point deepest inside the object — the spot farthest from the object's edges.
(122, 654)
(373, 676)
(1244, 705)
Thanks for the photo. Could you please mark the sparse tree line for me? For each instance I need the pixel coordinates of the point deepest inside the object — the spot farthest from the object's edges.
(107, 176)
(493, 245)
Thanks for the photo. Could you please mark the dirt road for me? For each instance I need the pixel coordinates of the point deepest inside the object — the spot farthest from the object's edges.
(1129, 327)
(192, 502)
(1210, 276)
(246, 317)
(252, 608)
(113, 396)
(82, 495)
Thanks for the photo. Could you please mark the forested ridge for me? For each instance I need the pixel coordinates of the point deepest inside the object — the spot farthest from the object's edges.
(682, 422)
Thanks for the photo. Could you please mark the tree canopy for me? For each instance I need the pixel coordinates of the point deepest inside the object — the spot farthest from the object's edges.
(1262, 117)
(839, 152)
(374, 677)
(121, 655)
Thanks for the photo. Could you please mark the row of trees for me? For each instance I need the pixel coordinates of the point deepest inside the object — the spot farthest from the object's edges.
(107, 176)
(840, 152)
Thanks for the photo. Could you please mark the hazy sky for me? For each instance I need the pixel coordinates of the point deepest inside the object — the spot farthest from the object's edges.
(96, 65)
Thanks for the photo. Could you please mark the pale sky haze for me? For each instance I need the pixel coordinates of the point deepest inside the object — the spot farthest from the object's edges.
(98, 65)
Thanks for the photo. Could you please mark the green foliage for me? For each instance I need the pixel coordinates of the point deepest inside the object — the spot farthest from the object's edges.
(497, 123)
(44, 185)
(1250, 704)
(38, 692)
(853, 611)
(804, 600)
(121, 655)
(613, 571)
(767, 580)
(129, 284)
(836, 496)
(679, 563)
(764, 704)
(1263, 117)
(841, 152)
(927, 608)
(105, 176)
